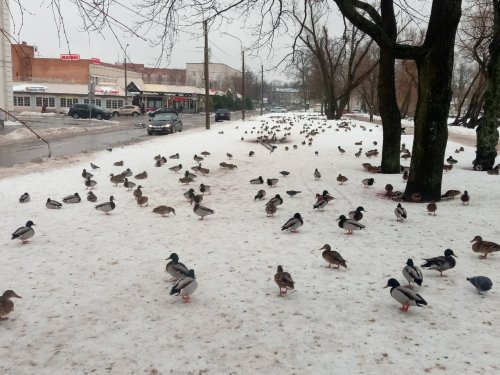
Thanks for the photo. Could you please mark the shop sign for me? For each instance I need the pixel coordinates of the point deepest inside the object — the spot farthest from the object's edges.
(95, 60)
(36, 88)
(105, 91)
(70, 57)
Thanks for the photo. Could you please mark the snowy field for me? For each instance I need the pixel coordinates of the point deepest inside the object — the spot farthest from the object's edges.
(96, 295)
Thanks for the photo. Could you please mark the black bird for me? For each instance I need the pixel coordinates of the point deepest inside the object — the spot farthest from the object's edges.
(481, 283)
(368, 182)
(260, 195)
(292, 193)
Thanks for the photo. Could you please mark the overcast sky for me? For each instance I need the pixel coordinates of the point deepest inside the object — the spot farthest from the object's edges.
(38, 27)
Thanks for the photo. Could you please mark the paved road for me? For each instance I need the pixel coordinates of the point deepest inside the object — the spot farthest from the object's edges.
(127, 131)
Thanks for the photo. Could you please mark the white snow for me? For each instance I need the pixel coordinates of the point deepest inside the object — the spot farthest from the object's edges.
(96, 294)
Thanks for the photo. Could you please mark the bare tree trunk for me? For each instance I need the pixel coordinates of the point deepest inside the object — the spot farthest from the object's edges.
(435, 73)
(388, 105)
(487, 131)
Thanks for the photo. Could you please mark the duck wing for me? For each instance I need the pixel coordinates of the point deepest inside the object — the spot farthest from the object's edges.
(20, 231)
(434, 262)
(181, 284)
(289, 223)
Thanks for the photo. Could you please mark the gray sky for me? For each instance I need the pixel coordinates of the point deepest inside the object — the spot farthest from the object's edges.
(39, 28)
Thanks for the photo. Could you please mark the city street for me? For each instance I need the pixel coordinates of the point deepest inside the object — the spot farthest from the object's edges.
(121, 131)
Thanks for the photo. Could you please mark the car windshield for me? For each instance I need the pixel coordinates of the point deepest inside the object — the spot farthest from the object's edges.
(97, 107)
(165, 117)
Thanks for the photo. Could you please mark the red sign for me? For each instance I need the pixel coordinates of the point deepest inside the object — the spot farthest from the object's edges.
(70, 57)
(95, 60)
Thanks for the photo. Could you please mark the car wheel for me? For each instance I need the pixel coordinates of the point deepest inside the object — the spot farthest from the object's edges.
(98, 116)
(150, 133)
(181, 129)
(135, 114)
(75, 115)
(116, 114)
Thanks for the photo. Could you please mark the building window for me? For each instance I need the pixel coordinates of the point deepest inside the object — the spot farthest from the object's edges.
(50, 101)
(38, 101)
(97, 102)
(114, 103)
(68, 102)
(22, 101)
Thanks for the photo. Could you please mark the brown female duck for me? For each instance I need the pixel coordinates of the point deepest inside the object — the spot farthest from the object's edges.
(484, 247)
(6, 305)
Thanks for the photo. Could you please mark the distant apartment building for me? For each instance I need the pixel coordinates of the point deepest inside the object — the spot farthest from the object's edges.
(222, 77)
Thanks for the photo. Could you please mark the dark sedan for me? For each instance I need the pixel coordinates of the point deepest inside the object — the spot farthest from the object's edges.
(222, 114)
(165, 123)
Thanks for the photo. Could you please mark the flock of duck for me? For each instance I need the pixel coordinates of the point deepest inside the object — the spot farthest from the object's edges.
(267, 136)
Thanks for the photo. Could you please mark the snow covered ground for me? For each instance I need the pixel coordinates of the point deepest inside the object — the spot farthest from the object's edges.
(96, 294)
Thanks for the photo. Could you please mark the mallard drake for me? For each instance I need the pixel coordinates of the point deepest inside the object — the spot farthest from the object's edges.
(465, 198)
(277, 200)
(326, 195)
(349, 225)
(368, 182)
(118, 163)
(141, 176)
(91, 197)
(74, 198)
(357, 214)
(341, 150)
(189, 195)
(441, 263)
(397, 196)
(272, 182)
(126, 173)
(412, 273)
(24, 233)
(93, 166)
(451, 161)
(86, 174)
(175, 268)
(481, 283)
(204, 189)
(52, 204)
(400, 213)
(176, 168)
(317, 174)
(6, 305)
(284, 281)
(106, 207)
(174, 156)
(284, 173)
(293, 223)
(205, 153)
(163, 210)
(484, 247)
(270, 209)
(185, 287)
(358, 154)
(333, 257)
(118, 179)
(197, 158)
(128, 184)
(432, 208)
(90, 183)
(405, 296)
(342, 179)
(320, 202)
(188, 174)
(137, 192)
(250, 153)
(292, 193)
(24, 198)
(450, 194)
(260, 195)
(202, 211)
(258, 180)
(142, 200)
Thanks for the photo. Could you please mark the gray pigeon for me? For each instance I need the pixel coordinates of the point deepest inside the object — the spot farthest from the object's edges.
(481, 283)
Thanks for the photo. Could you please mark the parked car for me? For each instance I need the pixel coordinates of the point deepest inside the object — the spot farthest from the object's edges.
(162, 110)
(165, 123)
(127, 110)
(222, 114)
(84, 110)
(278, 109)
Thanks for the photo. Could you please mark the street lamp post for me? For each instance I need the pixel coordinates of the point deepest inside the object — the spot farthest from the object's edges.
(125, 67)
(242, 75)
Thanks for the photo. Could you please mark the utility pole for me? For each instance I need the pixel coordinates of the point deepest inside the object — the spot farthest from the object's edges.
(207, 80)
(261, 88)
(125, 66)
(243, 83)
